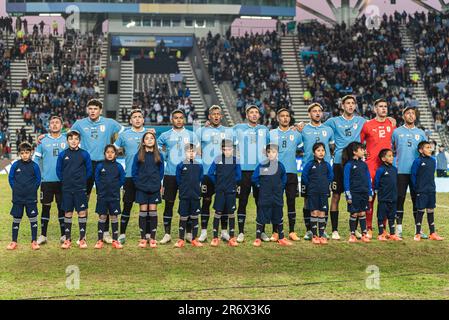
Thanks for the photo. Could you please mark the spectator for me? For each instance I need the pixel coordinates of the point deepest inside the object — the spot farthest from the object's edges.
(441, 162)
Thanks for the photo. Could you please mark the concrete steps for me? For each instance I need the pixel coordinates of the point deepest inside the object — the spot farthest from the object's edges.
(126, 87)
(185, 67)
(420, 93)
(295, 75)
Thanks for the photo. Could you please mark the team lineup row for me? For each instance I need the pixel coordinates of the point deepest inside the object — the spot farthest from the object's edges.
(265, 162)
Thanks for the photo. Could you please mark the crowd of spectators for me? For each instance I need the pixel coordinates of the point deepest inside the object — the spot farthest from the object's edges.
(253, 64)
(157, 103)
(360, 60)
(62, 81)
(5, 95)
(430, 33)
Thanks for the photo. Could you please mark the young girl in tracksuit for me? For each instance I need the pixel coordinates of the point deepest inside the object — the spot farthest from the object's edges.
(357, 187)
(189, 174)
(147, 174)
(225, 173)
(386, 188)
(270, 178)
(109, 178)
(317, 177)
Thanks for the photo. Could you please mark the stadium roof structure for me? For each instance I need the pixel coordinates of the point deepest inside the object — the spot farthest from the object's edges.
(267, 8)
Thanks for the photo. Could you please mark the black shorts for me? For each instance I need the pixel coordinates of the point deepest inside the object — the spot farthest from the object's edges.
(72, 201)
(318, 202)
(91, 180)
(189, 207)
(129, 191)
(225, 202)
(291, 188)
(170, 188)
(337, 183)
(111, 208)
(425, 200)
(50, 191)
(360, 203)
(244, 189)
(386, 210)
(207, 188)
(18, 208)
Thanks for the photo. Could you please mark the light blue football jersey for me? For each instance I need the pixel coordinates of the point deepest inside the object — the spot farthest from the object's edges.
(288, 141)
(174, 144)
(210, 139)
(312, 134)
(345, 132)
(96, 135)
(251, 143)
(405, 142)
(46, 156)
(129, 140)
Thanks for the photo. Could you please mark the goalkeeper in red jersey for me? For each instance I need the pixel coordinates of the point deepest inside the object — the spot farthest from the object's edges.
(376, 134)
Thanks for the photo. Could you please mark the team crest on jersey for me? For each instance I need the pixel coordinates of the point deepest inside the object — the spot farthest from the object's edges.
(63, 145)
(292, 137)
(260, 133)
(388, 129)
(416, 137)
(186, 140)
(223, 135)
(324, 133)
(102, 128)
(355, 126)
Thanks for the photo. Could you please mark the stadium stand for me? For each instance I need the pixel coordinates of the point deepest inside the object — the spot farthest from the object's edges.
(253, 65)
(368, 63)
(429, 34)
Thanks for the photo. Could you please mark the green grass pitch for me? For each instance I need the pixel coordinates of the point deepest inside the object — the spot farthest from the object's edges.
(407, 270)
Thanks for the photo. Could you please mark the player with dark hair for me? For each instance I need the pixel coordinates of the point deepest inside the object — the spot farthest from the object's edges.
(376, 135)
(46, 156)
(405, 142)
(171, 144)
(289, 141)
(251, 139)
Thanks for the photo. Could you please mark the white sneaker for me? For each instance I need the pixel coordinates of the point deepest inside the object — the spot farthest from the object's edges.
(240, 238)
(358, 235)
(78, 242)
(225, 235)
(107, 238)
(122, 238)
(203, 235)
(62, 239)
(264, 237)
(335, 235)
(165, 239)
(41, 240)
(188, 237)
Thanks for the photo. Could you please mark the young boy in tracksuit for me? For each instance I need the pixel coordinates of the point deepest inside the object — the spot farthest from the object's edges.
(317, 177)
(357, 187)
(270, 178)
(189, 174)
(73, 168)
(225, 173)
(386, 185)
(109, 178)
(24, 179)
(423, 183)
